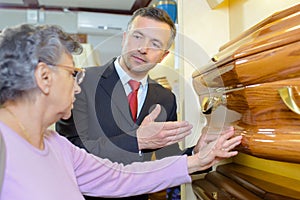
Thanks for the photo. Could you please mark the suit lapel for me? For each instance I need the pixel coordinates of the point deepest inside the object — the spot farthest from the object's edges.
(150, 101)
(112, 86)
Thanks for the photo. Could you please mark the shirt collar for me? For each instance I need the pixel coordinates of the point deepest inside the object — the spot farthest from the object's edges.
(124, 77)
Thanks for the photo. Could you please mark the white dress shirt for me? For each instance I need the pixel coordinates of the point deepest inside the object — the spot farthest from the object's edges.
(124, 77)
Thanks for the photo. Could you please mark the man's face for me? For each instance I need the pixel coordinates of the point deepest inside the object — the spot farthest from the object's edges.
(144, 45)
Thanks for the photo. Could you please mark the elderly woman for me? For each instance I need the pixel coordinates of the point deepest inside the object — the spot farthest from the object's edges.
(38, 81)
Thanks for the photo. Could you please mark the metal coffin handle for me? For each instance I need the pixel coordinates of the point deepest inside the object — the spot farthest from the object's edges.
(286, 94)
(209, 104)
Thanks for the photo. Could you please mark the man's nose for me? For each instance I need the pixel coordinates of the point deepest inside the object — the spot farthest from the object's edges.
(144, 47)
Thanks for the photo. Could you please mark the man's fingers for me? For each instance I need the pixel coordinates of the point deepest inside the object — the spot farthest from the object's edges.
(153, 135)
(153, 115)
(169, 132)
(171, 138)
(176, 135)
(175, 125)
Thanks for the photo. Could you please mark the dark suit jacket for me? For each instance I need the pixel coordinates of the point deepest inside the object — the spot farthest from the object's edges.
(103, 123)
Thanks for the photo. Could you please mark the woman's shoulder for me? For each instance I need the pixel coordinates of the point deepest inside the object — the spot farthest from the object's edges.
(54, 138)
(59, 142)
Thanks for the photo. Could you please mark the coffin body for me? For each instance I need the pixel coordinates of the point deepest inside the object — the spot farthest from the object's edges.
(258, 76)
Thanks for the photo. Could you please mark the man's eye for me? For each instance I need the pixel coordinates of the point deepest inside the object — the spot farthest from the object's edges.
(137, 36)
(157, 46)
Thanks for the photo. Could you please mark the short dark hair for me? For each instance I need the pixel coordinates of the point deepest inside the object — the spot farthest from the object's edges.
(155, 14)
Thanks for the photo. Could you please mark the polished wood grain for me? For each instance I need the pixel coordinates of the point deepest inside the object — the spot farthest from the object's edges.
(277, 143)
(275, 64)
(247, 75)
(262, 105)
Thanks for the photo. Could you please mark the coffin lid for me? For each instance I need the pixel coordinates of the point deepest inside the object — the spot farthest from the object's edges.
(278, 30)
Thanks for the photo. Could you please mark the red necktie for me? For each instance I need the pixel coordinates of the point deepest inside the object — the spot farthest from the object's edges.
(132, 98)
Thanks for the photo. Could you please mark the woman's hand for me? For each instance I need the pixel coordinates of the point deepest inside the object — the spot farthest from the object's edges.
(212, 147)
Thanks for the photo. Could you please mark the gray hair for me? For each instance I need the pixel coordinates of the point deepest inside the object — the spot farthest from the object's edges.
(22, 48)
(158, 15)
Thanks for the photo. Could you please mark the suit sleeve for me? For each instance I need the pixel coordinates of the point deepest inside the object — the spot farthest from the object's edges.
(83, 130)
(173, 114)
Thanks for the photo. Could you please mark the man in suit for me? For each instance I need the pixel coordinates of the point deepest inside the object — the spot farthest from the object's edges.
(102, 120)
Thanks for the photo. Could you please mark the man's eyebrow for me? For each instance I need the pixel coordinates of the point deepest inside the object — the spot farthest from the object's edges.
(137, 31)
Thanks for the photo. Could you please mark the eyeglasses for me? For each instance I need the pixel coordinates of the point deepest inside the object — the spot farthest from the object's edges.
(78, 73)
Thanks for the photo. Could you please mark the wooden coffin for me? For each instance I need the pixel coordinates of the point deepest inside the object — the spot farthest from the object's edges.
(257, 76)
(237, 182)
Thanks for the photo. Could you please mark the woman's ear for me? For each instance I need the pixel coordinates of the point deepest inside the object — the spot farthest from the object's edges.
(43, 76)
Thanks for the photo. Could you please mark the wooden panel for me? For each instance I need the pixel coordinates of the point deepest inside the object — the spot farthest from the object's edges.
(231, 187)
(261, 183)
(233, 181)
(207, 190)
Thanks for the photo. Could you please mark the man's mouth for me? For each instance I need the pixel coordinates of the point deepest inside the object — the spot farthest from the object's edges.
(139, 59)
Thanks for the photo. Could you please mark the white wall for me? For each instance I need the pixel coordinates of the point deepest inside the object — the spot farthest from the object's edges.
(202, 31)
(10, 17)
(244, 14)
(105, 46)
(206, 27)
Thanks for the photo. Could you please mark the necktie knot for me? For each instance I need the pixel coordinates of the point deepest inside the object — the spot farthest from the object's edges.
(134, 85)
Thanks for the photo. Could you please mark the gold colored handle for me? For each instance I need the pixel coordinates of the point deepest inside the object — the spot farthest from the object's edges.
(214, 195)
(286, 94)
(209, 104)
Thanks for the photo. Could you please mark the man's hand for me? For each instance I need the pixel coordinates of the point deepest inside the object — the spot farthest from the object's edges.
(154, 135)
